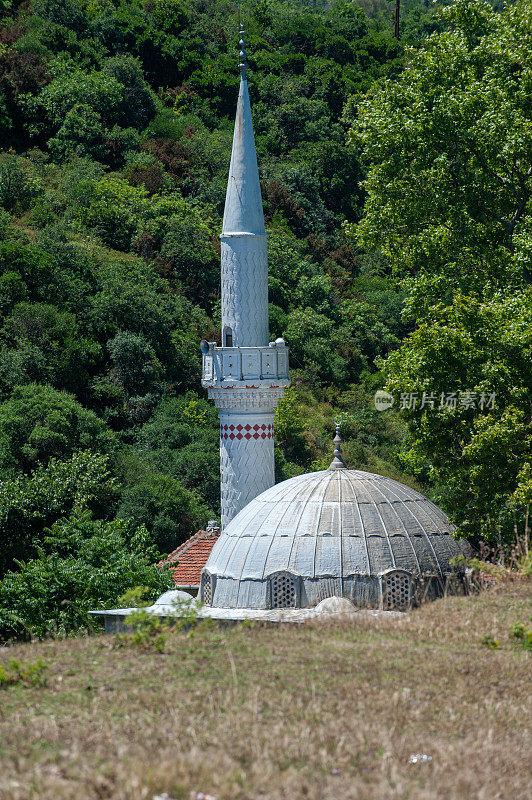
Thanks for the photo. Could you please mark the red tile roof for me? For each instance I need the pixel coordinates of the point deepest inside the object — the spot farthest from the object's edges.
(187, 561)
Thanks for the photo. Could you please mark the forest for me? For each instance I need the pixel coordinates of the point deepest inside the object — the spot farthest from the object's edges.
(396, 185)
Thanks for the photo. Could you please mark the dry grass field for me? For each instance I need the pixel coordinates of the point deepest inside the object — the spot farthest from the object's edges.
(321, 711)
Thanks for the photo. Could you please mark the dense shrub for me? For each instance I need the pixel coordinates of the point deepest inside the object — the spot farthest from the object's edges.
(83, 563)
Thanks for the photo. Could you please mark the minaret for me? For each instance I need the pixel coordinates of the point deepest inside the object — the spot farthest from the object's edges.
(247, 375)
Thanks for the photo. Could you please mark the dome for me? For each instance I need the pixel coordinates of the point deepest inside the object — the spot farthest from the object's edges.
(338, 532)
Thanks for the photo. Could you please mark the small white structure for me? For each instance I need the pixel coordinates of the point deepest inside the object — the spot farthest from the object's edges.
(247, 375)
(168, 605)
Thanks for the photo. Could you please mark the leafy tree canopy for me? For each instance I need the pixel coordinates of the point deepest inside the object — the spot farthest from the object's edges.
(448, 147)
(28, 503)
(38, 423)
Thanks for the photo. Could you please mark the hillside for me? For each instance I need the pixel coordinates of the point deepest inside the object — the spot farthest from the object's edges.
(397, 197)
(117, 121)
(120, 126)
(313, 711)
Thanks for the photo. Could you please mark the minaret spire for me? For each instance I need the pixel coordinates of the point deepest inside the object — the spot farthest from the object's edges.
(243, 202)
(244, 254)
(247, 375)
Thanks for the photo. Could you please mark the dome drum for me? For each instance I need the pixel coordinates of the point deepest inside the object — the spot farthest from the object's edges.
(393, 589)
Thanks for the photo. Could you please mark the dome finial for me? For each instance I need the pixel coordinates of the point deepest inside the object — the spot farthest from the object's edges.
(338, 461)
(242, 56)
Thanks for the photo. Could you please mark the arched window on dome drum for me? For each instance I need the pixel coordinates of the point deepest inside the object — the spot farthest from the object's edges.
(283, 591)
(207, 589)
(396, 590)
(228, 337)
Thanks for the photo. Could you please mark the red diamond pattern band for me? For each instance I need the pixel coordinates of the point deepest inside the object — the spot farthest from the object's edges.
(246, 431)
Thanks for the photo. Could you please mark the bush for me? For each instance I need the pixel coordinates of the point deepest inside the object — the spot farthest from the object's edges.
(523, 635)
(183, 440)
(135, 597)
(100, 92)
(81, 134)
(83, 564)
(149, 631)
(168, 510)
(33, 673)
(63, 12)
(111, 207)
(38, 343)
(16, 188)
(135, 365)
(138, 103)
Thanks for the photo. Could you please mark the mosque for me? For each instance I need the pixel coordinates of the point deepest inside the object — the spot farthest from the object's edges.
(335, 533)
(322, 542)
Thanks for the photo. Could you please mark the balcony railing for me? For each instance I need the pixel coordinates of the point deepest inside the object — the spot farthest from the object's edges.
(245, 364)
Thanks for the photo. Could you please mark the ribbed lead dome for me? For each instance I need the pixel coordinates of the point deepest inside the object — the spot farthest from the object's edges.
(337, 532)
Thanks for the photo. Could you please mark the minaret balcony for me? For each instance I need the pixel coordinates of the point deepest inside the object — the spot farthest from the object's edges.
(246, 367)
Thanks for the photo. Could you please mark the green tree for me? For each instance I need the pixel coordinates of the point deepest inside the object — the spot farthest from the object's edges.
(38, 423)
(133, 298)
(138, 102)
(6, 122)
(111, 207)
(56, 273)
(81, 134)
(83, 563)
(187, 249)
(40, 344)
(289, 424)
(68, 13)
(29, 503)
(168, 510)
(182, 439)
(135, 365)
(448, 148)
(473, 451)
(99, 91)
(17, 189)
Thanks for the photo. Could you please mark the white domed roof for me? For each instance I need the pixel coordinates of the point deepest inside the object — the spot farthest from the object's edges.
(331, 526)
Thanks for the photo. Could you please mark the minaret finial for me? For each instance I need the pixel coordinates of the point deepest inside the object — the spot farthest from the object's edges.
(338, 461)
(242, 56)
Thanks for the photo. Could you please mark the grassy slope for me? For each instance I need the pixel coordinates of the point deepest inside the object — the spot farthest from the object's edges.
(320, 711)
